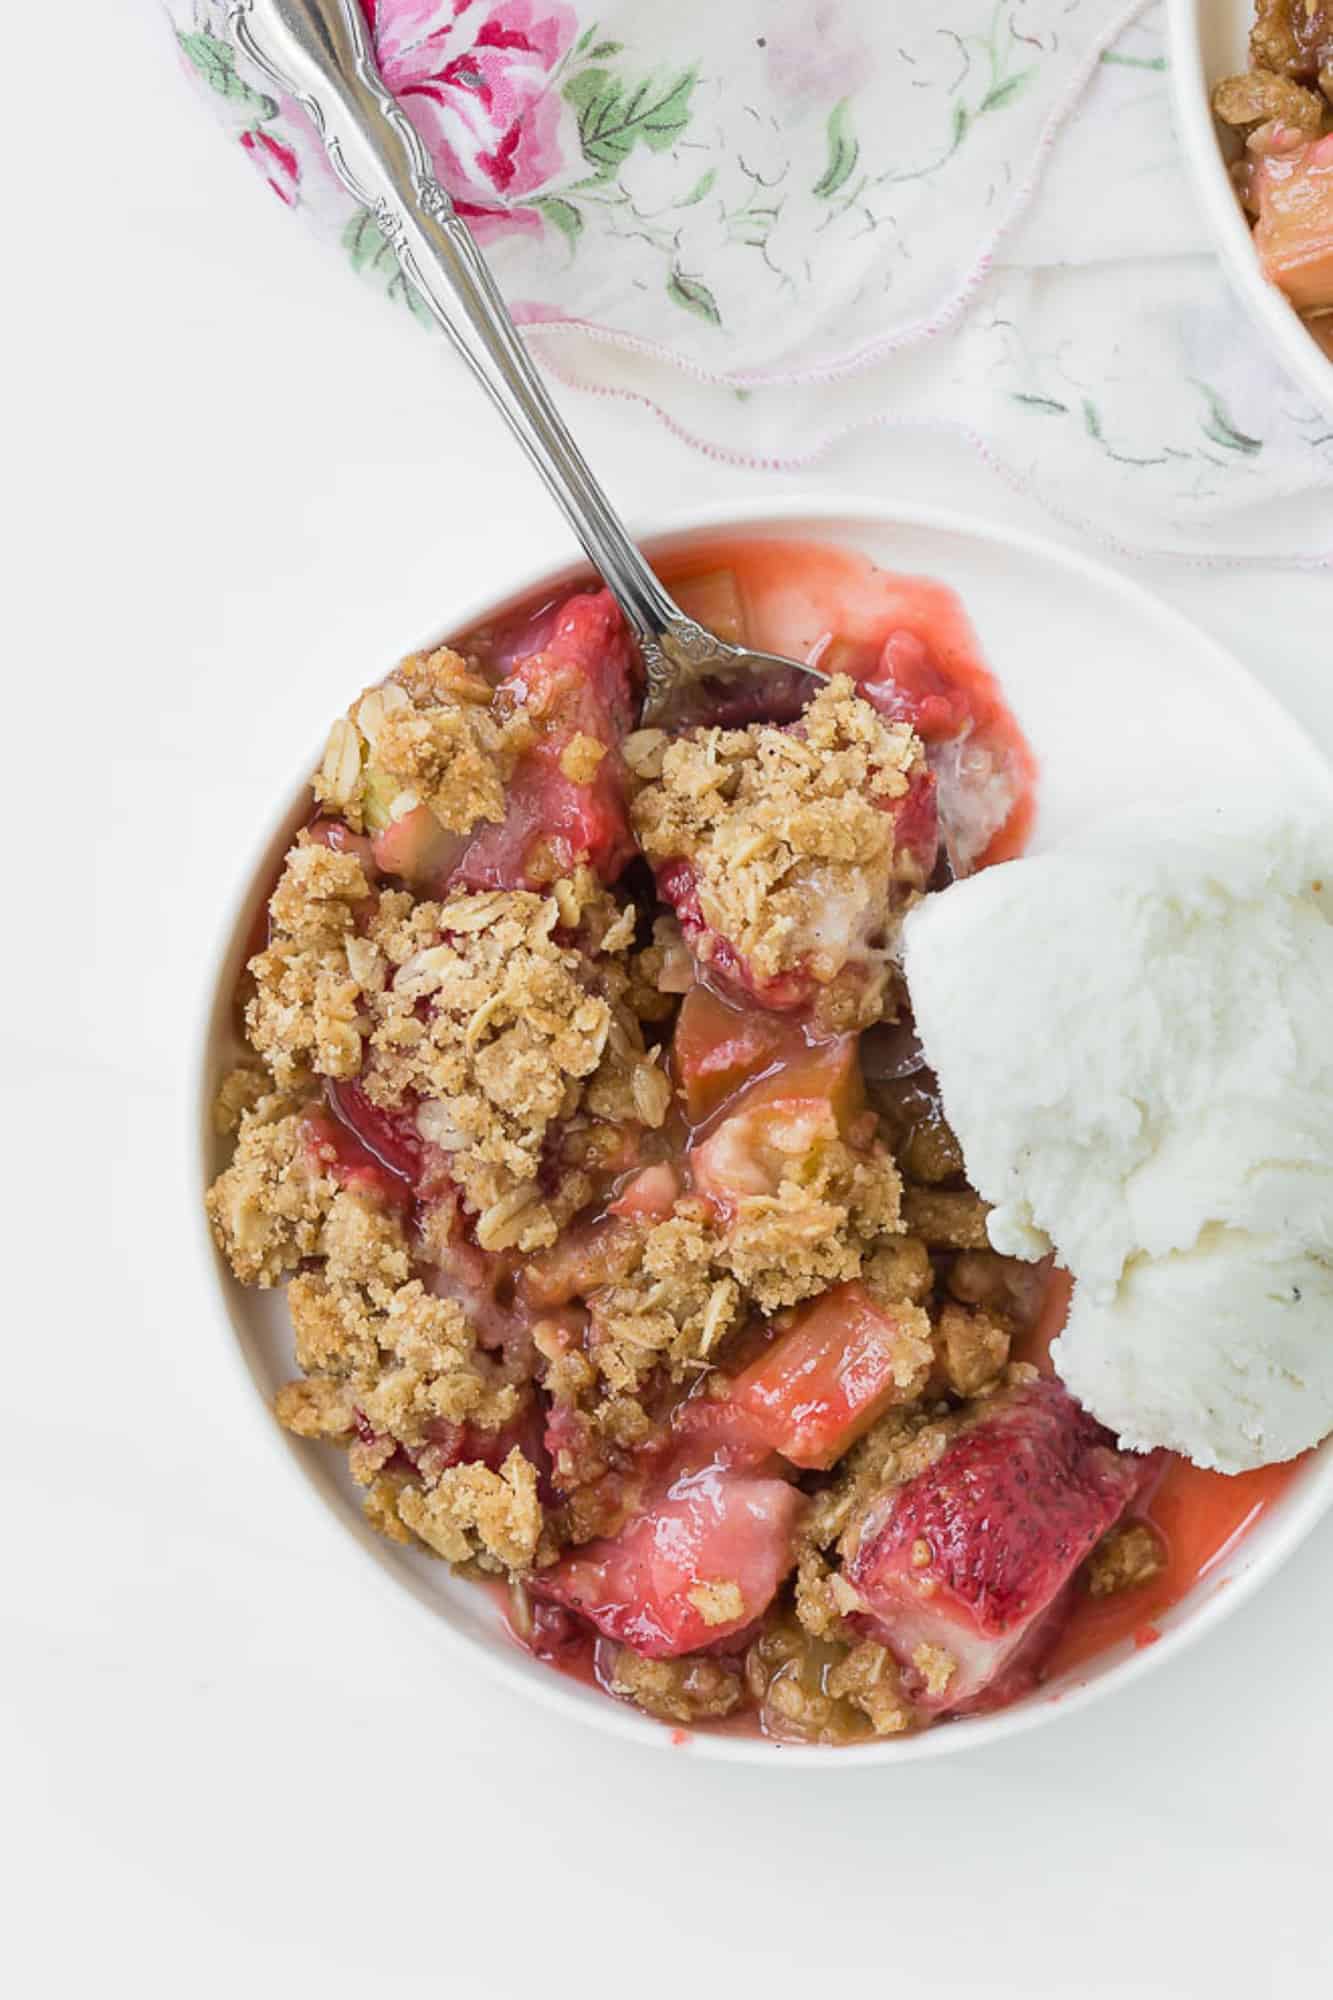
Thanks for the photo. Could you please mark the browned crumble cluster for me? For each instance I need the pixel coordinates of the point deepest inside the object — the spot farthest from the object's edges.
(426, 736)
(470, 1009)
(499, 1032)
(1290, 78)
(1130, 1555)
(268, 1208)
(793, 853)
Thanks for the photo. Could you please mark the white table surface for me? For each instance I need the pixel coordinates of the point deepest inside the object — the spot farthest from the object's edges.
(225, 1766)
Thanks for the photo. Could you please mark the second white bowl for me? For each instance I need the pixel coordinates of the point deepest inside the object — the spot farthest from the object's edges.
(1209, 40)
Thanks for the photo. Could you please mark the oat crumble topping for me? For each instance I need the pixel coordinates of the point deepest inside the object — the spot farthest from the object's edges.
(496, 1030)
(1130, 1555)
(426, 736)
(268, 1208)
(793, 852)
(307, 1008)
(695, 1689)
(935, 1666)
(472, 1512)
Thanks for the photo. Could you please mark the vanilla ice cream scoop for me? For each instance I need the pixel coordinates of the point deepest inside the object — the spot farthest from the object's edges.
(1132, 1040)
(1223, 1352)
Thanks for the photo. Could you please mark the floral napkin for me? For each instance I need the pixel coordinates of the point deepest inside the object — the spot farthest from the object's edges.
(778, 221)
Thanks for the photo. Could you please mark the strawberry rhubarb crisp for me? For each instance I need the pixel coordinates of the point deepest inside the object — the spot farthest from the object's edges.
(628, 1256)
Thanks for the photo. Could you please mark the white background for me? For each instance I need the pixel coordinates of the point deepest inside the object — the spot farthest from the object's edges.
(225, 1764)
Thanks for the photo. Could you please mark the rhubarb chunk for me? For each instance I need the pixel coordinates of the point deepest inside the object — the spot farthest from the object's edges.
(783, 1117)
(1293, 193)
(718, 1047)
(963, 1572)
(841, 1364)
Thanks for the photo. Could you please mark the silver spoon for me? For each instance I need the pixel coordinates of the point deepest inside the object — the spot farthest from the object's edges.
(319, 52)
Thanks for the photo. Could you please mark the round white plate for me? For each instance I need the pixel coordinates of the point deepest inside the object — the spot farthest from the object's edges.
(1127, 705)
(1209, 39)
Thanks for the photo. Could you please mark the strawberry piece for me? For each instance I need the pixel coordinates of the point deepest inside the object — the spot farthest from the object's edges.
(973, 1557)
(582, 677)
(717, 1048)
(692, 1568)
(841, 1364)
(579, 685)
(339, 1151)
(390, 1137)
(906, 685)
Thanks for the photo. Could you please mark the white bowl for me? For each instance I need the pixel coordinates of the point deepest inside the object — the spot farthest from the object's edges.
(1123, 701)
(1209, 40)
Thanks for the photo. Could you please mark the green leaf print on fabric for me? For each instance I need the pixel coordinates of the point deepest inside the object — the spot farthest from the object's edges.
(1006, 91)
(843, 151)
(371, 253)
(613, 119)
(704, 185)
(215, 62)
(694, 297)
(563, 214)
(1220, 428)
(1092, 424)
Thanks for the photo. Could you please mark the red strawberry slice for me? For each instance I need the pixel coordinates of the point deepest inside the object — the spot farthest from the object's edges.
(578, 685)
(340, 1151)
(958, 1569)
(582, 677)
(390, 1137)
(694, 1567)
(906, 685)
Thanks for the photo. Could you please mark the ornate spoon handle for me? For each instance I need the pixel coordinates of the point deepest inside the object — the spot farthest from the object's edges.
(319, 52)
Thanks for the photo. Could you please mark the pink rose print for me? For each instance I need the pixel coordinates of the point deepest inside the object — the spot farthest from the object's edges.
(472, 75)
(276, 162)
